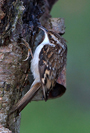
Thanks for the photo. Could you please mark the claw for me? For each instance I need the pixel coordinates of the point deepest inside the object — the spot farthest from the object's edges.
(29, 49)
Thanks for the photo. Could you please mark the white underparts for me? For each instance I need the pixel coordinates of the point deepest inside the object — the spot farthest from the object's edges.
(35, 60)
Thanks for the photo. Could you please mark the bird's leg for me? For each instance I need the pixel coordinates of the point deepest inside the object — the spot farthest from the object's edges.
(29, 49)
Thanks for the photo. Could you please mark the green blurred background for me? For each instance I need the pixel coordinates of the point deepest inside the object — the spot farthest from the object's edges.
(71, 112)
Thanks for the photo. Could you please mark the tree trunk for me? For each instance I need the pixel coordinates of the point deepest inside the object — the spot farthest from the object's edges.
(18, 19)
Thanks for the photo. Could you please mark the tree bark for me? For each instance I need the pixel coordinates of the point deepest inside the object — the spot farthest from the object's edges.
(16, 22)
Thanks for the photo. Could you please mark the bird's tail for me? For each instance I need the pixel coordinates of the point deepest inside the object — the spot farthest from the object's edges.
(26, 98)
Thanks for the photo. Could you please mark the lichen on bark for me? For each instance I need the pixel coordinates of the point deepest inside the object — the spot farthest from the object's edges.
(13, 70)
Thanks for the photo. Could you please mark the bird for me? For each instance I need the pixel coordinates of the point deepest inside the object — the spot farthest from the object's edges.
(47, 63)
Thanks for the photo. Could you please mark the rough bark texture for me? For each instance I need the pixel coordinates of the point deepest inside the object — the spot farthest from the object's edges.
(18, 20)
(13, 70)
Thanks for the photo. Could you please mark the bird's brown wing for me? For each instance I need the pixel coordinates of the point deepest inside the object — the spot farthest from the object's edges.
(51, 63)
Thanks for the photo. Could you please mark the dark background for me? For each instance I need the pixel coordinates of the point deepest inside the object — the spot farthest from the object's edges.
(71, 112)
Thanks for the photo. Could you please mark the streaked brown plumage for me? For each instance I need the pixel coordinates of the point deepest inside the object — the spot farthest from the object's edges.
(51, 62)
